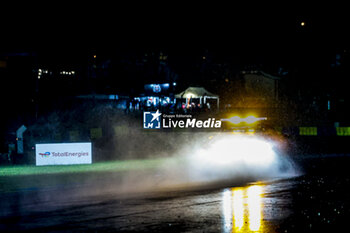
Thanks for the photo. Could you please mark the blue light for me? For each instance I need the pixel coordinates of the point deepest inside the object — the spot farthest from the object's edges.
(174, 84)
(113, 97)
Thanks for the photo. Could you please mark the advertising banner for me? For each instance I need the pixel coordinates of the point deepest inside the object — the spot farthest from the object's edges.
(63, 153)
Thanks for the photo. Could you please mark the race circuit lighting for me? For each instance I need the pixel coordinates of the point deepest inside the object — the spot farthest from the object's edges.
(249, 120)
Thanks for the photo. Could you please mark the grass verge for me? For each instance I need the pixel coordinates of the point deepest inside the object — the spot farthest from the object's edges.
(110, 166)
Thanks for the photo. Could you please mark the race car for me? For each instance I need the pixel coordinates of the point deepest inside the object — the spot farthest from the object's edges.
(244, 125)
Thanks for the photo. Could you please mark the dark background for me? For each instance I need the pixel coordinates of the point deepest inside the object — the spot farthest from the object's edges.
(314, 58)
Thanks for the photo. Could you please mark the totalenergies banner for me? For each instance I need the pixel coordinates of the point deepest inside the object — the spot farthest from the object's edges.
(63, 153)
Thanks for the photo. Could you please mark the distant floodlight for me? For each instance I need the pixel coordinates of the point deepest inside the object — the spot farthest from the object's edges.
(189, 95)
(174, 84)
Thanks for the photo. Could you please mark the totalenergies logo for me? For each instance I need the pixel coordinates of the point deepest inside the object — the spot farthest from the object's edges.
(46, 154)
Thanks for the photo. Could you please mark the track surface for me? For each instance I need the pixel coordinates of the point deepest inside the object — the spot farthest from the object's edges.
(315, 201)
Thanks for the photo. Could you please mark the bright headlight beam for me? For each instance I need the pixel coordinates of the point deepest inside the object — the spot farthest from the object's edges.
(236, 157)
(234, 150)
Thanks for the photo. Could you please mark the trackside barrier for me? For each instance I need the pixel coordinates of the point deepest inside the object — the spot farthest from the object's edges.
(308, 131)
(317, 131)
(343, 131)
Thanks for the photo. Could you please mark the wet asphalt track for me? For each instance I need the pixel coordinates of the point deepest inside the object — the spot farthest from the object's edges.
(317, 201)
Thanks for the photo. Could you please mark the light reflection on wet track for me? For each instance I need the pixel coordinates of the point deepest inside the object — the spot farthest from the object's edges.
(243, 208)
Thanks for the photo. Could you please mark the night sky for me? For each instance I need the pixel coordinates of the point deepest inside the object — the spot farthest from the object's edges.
(235, 35)
(229, 29)
(250, 34)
